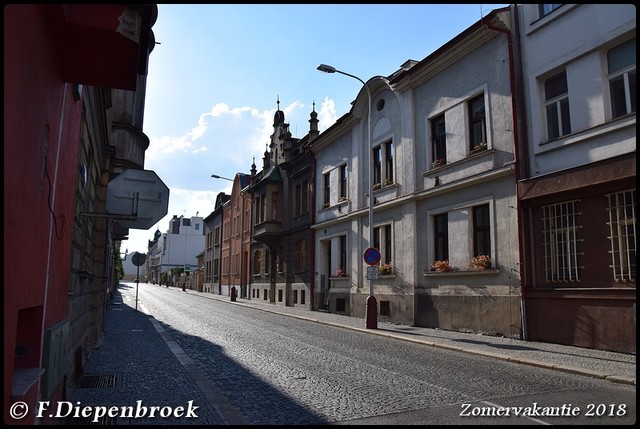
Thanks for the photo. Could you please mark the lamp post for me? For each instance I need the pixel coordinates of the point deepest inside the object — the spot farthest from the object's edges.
(232, 276)
(372, 306)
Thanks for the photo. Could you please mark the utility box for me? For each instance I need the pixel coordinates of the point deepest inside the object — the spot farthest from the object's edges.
(56, 340)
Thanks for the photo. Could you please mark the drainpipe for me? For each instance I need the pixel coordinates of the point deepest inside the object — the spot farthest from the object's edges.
(312, 182)
(515, 102)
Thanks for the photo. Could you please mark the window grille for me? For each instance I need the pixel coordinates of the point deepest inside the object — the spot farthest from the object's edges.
(561, 242)
(622, 228)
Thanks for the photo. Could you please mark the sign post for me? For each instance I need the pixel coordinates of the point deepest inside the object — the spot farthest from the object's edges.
(138, 260)
(371, 257)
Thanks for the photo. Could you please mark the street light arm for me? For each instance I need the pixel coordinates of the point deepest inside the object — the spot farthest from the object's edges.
(215, 176)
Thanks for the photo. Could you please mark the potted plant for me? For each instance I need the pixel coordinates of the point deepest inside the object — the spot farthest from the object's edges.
(479, 148)
(480, 262)
(325, 205)
(375, 186)
(388, 182)
(438, 162)
(441, 266)
(341, 272)
(385, 269)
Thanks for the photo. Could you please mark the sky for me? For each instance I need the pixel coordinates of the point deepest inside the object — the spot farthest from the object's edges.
(217, 72)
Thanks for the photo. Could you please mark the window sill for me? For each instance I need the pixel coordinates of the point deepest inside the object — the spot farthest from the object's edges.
(460, 273)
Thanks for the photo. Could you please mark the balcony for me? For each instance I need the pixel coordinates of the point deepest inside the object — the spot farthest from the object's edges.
(267, 232)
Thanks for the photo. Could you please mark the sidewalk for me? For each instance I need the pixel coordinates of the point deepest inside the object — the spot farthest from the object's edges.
(611, 366)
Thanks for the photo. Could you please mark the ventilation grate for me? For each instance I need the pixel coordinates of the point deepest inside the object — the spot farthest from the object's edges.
(97, 381)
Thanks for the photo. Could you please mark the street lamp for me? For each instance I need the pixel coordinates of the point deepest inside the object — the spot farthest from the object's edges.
(215, 176)
(372, 306)
(232, 280)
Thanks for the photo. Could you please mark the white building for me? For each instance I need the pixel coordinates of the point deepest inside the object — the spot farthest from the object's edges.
(177, 248)
(443, 154)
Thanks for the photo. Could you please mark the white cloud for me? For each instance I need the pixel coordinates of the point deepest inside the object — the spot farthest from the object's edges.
(227, 141)
(327, 115)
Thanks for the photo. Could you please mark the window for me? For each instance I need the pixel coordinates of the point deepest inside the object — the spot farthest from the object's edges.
(297, 208)
(259, 208)
(622, 227)
(385, 308)
(377, 165)
(383, 171)
(545, 9)
(326, 186)
(304, 209)
(343, 252)
(441, 237)
(257, 262)
(561, 242)
(301, 259)
(477, 122)
(481, 231)
(274, 206)
(388, 174)
(438, 140)
(621, 62)
(280, 265)
(382, 242)
(343, 182)
(557, 106)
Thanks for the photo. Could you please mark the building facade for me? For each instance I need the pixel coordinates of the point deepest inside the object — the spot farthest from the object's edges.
(212, 254)
(236, 239)
(75, 79)
(283, 241)
(441, 154)
(578, 191)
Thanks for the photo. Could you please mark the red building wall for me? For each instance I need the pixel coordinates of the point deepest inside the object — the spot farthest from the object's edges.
(41, 146)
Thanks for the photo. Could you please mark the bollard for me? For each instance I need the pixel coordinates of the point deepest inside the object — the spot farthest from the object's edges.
(233, 293)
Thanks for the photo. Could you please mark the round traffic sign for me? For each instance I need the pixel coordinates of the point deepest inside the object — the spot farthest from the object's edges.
(138, 259)
(371, 256)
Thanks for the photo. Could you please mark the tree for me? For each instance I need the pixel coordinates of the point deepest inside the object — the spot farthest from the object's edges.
(118, 268)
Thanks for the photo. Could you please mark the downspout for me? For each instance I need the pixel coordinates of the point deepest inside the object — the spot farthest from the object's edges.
(52, 224)
(515, 101)
(313, 232)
